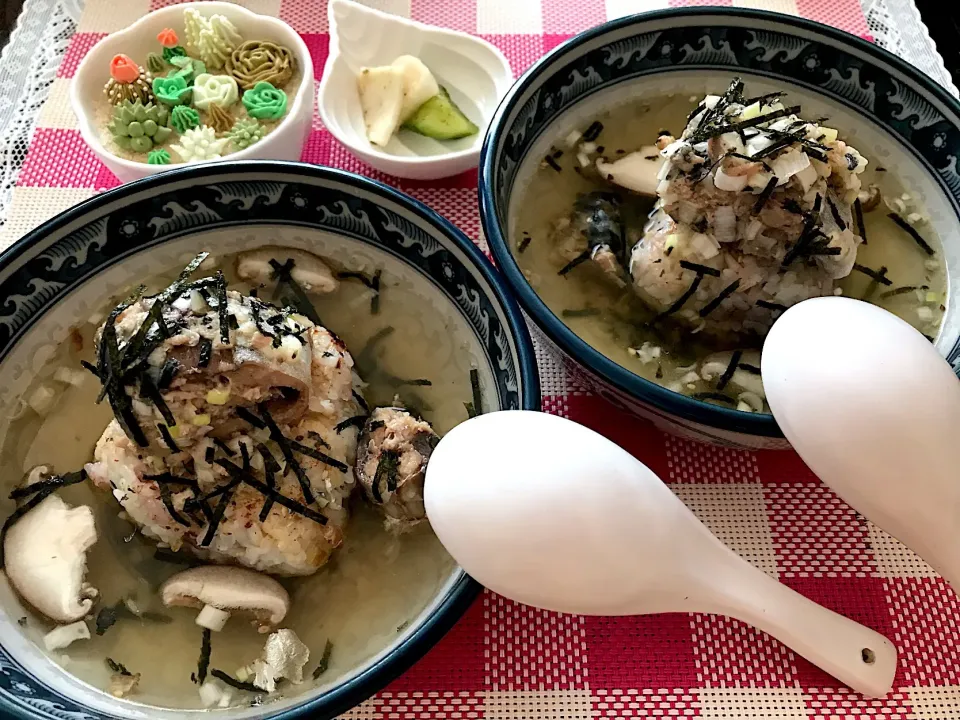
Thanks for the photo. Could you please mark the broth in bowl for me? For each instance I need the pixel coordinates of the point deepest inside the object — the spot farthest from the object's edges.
(670, 232)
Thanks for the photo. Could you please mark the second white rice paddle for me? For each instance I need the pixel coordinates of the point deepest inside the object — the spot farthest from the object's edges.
(549, 513)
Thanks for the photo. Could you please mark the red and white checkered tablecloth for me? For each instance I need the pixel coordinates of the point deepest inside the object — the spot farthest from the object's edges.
(506, 661)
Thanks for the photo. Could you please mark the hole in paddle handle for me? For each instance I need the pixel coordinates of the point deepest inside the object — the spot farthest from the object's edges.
(868, 656)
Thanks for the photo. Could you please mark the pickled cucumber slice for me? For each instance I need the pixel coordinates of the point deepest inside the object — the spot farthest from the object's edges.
(439, 118)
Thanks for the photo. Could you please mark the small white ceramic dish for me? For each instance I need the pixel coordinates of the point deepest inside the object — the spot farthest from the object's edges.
(473, 71)
(285, 142)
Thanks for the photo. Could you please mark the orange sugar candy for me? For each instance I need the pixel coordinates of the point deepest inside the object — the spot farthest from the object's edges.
(123, 69)
(168, 37)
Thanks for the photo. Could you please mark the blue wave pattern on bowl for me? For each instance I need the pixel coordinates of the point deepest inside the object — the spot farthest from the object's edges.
(832, 63)
(47, 266)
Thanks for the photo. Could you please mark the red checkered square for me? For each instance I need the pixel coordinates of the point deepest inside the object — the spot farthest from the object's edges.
(319, 147)
(458, 205)
(638, 437)
(105, 180)
(429, 705)
(729, 653)
(521, 50)
(845, 16)
(460, 15)
(459, 661)
(650, 651)
(816, 534)
(556, 405)
(532, 649)
(319, 46)
(563, 16)
(552, 40)
(339, 157)
(305, 17)
(59, 158)
(690, 461)
(861, 599)
(695, 3)
(925, 629)
(79, 46)
(833, 704)
(647, 703)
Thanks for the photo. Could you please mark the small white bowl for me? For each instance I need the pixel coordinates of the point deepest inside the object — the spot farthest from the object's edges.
(474, 72)
(284, 142)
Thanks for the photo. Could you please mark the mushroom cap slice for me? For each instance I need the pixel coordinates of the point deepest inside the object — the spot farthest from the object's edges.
(45, 558)
(228, 588)
(310, 272)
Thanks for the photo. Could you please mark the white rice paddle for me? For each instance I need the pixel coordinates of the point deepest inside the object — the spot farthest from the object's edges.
(552, 514)
(874, 410)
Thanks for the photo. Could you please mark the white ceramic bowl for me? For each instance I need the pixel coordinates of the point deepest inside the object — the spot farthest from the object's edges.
(474, 72)
(285, 142)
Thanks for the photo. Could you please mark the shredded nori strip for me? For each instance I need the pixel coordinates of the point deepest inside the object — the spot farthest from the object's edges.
(355, 421)
(714, 396)
(244, 455)
(912, 232)
(765, 194)
(700, 269)
(767, 99)
(731, 369)
(287, 451)
(169, 371)
(522, 245)
(552, 163)
(222, 319)
(91, 367)
(168, 438)
(593, 132)
(375, 300)
(209, 454)
(879, 277)
(835, 211)
(168, 556)
(51, 483)
(324, 660)
(702, 133)
(752, 369)
(19, 513)
(203, 664)
(354, 275)
(858, 216)
(118, 667)
(365, 358)
(165, 496)
(681, 301)
(149, 391)
(106, 619)
(475, 391)
(317, 455)
(223, 447)
(774, 147)
(271, 468)
(583, 312)
(387, 468)
(217, 516)
(892, 293)
(724, 294)
(240, 475)
(110, 371)
(245, 414)
(771, 305)
(928, 337)
(696, 111)
(234, 683)
(581, 258)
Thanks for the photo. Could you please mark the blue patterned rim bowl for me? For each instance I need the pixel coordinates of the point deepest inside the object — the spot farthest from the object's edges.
(893, 114)
(53, 277)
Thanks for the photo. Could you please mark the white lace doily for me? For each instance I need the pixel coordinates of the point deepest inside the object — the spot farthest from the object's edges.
(28, 65)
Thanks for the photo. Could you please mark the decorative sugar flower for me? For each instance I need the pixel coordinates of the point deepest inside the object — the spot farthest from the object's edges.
(259, 61)
(172, 90)
(245, 132)
(183, 118)
(128, 81)
(188, 68)
(200, 144)
(265, 102)
(210, 90)
(169, 53)
(168, 37)
(156, 64)
(218, 118)
(139, 127)
(158, 157)
(213, 38)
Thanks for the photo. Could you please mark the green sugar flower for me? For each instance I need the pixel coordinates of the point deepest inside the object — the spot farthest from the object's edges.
(188, 68)
(156, 64)
(158, 157)
(172, 90)
(183, 118)
(169, 53)
(265, 102)
(245, 132)
(139, 127)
